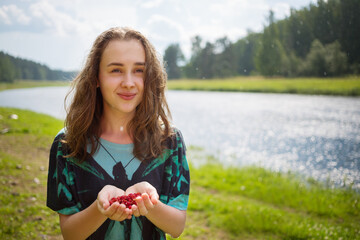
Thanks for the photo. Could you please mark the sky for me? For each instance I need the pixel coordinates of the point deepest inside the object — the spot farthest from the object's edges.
(60, 33)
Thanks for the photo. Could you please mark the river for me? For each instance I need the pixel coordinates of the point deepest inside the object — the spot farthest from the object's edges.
(316, 136)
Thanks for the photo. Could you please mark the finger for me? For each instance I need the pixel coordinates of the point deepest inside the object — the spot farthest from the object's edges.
(154, 198)
(147, 200)
(119, 214)
(111, 210)
(102, 199)
(141, 206)
(135, 210)
(105, 205)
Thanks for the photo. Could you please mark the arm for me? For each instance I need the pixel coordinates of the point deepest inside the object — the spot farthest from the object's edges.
(82, 224)
(167, 218)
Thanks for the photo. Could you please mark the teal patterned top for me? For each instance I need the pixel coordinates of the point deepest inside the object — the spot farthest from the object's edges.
(72, 186)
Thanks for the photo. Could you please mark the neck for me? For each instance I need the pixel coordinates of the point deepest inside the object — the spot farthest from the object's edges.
(114, 128)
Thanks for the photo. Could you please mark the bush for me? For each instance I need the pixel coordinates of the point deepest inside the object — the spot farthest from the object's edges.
(324, 61)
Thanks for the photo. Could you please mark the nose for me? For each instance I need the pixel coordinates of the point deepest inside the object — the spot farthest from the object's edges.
(128, 80)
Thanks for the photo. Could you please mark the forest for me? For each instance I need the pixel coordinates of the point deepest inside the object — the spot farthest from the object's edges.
(320, 40)
(13, 68)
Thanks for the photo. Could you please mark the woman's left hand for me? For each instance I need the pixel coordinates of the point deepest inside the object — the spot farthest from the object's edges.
(147, 201)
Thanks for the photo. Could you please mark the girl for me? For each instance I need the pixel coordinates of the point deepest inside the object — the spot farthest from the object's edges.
(118, 140)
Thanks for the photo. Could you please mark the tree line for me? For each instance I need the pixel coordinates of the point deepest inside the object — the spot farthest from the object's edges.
(320, 40)
(13, 68)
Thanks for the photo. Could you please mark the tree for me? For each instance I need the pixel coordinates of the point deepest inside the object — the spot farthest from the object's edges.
(326, 60)
(244, 51)
(224, 62)
(336, 60)
(172, 57)
(350, 30)
(207, 58)
(7, 69)
(271, 59)
(297, 34)
(191, 69)
(315, 63)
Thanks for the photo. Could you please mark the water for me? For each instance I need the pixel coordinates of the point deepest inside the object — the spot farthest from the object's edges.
(317, 136)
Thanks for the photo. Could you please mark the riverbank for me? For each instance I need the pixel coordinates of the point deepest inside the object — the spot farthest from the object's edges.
(236, 203)
(347, 86)
(31, 84)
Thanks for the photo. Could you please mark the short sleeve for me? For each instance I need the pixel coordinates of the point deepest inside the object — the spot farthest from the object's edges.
(180, 182)
(60, 186)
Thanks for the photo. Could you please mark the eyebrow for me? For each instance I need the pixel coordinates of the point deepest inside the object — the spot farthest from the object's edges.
(120, 64)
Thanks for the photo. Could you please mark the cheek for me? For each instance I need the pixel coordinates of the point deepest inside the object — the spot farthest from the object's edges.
(106, 81)
(141, 85)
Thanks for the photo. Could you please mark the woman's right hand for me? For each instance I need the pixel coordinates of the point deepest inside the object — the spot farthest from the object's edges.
(115, 211)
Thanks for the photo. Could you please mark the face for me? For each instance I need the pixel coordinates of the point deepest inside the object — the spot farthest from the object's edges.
(121, 76)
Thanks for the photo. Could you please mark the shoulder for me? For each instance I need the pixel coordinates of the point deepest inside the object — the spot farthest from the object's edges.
(60, 135)
(57, 144)
(176, 139)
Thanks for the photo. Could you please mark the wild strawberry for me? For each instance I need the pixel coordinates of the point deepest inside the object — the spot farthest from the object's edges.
(127, 200)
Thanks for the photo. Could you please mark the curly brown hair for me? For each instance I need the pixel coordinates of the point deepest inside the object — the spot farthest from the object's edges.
(149, 128)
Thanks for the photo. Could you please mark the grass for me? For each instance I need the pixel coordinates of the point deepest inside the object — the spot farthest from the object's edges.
(24, 150)
(349, 86)
(225, 203)
(254, 203)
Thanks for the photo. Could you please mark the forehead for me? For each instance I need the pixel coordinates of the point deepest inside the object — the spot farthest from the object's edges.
(123, 51)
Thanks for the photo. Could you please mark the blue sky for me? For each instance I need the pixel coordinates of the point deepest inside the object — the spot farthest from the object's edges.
(59, 33)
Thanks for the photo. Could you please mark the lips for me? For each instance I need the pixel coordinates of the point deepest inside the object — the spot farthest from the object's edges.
(127, 96)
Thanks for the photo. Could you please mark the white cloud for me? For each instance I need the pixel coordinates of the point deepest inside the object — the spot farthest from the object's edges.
(152, 3)
(11, 14)
(159, 21)
(4, 17)
(57, 22)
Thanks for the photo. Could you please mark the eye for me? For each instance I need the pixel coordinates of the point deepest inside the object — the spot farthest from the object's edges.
(116, 70)
(139, 70)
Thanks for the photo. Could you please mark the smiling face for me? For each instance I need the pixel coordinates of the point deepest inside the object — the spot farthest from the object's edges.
(121, 76)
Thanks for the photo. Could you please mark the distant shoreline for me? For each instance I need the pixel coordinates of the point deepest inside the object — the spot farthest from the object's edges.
(346, 86)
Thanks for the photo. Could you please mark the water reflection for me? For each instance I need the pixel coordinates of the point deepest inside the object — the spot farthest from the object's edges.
(315, 135)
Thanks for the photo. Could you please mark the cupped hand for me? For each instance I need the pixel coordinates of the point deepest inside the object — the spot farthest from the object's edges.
(115, 211)
(147, 201)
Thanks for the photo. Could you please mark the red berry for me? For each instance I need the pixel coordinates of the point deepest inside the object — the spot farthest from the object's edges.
(127, 200)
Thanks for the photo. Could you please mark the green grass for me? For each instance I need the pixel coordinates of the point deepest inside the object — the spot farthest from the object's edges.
(225, 203)
(254, 203)
(24, 150)
(349, 86)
